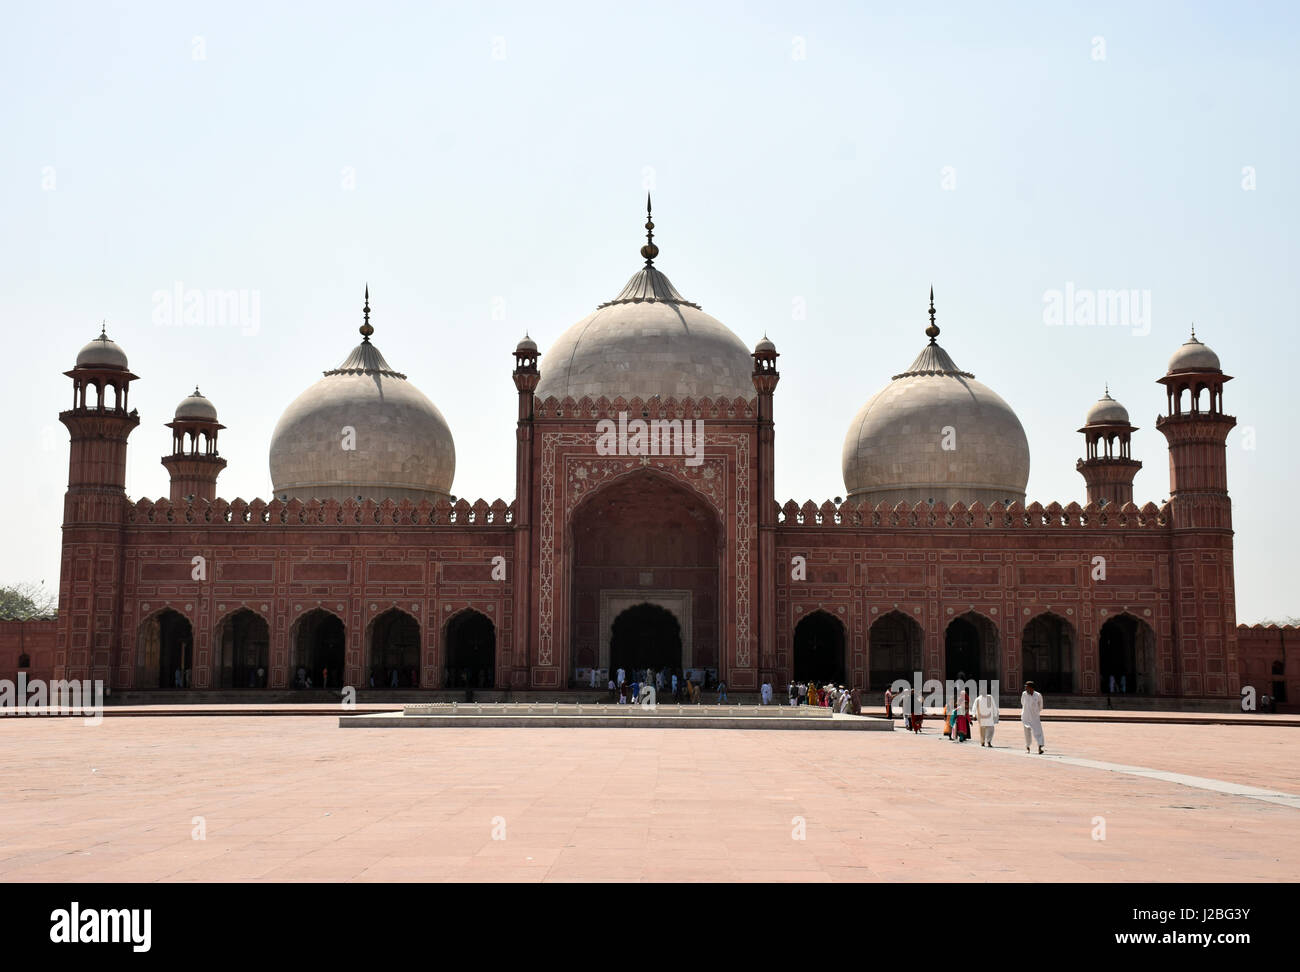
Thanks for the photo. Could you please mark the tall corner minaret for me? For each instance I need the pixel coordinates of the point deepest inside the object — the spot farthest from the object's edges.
(194, 463)
(1109, 467)
(94, 512)
(1205, 656)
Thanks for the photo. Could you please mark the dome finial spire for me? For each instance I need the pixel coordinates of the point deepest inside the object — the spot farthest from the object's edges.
(1193, 330)
(103, 329)
(366, 329)
(933, 330)
(649, 251)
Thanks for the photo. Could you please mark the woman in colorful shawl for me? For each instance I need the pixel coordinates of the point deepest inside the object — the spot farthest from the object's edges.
(961, 717)
(812, 694)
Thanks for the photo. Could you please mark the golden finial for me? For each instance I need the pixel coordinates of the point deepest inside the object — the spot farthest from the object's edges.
(366, 329)
(649, 251)
(933, 330)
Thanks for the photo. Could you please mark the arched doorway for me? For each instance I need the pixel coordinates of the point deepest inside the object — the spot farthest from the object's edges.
(165, 651)
(395, 650)
(819, 650)
(1048, 654)
(318, 650)
(645, 636)
(893, 650)
(243, 652)
(471, 653)
(1126, 652)
(645, 536)
(970, 648)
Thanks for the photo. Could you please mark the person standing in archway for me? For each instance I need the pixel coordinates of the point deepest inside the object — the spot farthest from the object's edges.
(1031, 707)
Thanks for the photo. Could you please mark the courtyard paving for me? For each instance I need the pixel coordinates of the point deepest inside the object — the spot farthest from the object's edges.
(285, 798)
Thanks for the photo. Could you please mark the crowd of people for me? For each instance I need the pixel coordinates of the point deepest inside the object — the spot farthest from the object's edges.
(647, 685)
(961, 713)
(830, 695)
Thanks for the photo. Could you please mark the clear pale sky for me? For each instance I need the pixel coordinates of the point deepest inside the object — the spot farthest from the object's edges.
(483, 166)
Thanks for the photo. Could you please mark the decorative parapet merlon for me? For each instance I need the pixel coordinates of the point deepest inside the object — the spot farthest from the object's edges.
(651, 408)
(940, 516)
(331, 513)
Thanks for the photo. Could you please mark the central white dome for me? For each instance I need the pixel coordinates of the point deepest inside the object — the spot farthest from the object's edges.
(648, 341)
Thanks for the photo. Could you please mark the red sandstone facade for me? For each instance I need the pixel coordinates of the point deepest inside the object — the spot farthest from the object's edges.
(1069, 595)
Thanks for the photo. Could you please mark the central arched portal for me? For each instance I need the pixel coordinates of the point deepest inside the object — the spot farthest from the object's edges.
(819, 650)
(645, 636)
(646, 540)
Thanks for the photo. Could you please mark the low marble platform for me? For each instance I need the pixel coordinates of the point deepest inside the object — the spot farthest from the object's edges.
(441, 715)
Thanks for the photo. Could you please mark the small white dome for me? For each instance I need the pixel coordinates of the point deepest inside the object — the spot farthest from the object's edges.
(1193, 356)
(102, 353)
(1107, 411)
(196, 407)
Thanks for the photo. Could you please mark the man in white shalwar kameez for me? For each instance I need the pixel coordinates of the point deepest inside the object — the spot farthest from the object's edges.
(1031, 707)
(986, 714)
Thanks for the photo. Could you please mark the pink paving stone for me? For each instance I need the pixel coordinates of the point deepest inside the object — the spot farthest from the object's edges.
(298, 799)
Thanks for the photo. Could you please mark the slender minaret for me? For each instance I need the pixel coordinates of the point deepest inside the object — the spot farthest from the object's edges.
(526, 376)
(1204, 602)
(765, 379)
(193, 464)
(1109, 467)
(94, 513)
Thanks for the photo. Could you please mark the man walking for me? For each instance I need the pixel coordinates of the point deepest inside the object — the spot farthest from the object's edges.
(986, 713)
(1031, 707)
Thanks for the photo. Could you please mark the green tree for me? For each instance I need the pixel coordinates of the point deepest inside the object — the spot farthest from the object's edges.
(22, 601)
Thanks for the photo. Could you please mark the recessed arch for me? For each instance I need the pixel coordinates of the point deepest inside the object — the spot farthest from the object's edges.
(393, 649)
(1049, 650)
(164, 650)
(645, 636)
(894, 650)
(970, 648)
(319, 640)
(819, 649)
(241, 656)
(1126, 651)
(470, 650)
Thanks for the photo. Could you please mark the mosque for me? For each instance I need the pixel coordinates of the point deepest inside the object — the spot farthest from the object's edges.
(362, 568)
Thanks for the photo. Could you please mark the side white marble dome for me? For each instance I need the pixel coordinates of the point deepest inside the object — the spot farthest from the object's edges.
(403, 446)
(894, 451)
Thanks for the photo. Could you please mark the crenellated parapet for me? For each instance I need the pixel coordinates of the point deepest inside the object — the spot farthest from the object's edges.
(996, 516)
(330, 512)
(651, 408)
